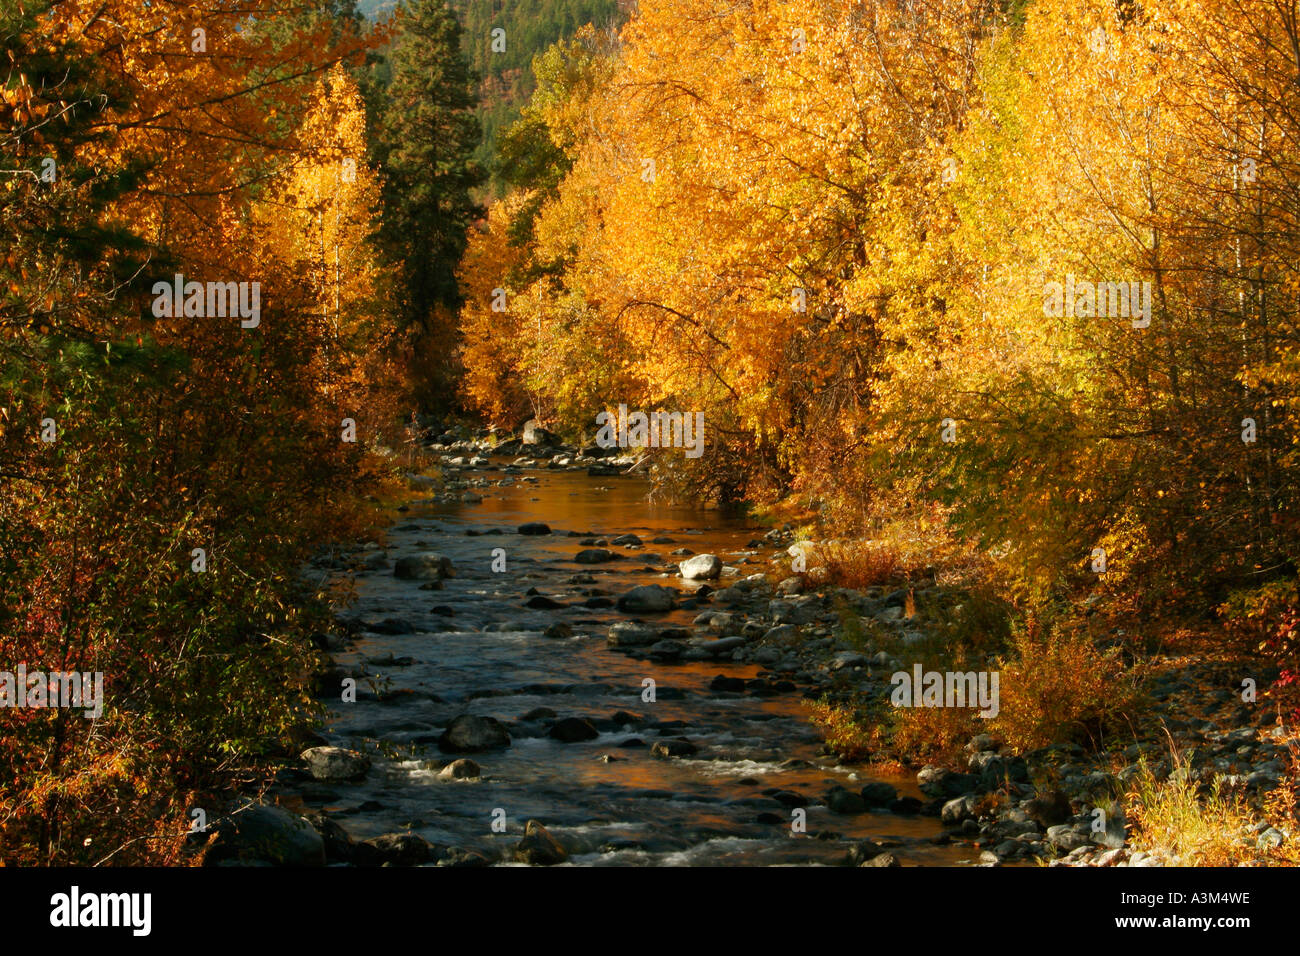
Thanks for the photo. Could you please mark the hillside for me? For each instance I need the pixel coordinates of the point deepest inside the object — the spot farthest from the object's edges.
(507, 77)
(375, 8)
(531, 26)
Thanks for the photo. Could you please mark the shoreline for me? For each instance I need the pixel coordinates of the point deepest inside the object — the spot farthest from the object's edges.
(795, 633)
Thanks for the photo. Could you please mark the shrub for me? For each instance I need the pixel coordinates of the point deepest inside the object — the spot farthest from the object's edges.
(1283, 645)
(859, 564)
(1252, 615)
(934, 733)
(843, 729)
(1058, 688)
(1266, 620)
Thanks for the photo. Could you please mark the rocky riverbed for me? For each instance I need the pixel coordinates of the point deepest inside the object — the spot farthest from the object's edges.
(545, 666)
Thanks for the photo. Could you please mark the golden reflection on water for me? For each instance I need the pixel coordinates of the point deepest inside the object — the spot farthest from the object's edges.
(570, 786)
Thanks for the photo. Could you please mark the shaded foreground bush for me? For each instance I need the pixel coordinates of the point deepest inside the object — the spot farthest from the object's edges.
(163, 478)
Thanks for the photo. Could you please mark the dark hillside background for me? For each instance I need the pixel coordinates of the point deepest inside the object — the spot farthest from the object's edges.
(507, 78)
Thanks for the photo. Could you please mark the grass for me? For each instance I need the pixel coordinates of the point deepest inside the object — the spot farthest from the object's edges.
(860, 564)
(1209, 829)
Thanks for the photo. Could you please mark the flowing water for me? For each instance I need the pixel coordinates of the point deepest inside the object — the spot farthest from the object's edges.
(472, 647)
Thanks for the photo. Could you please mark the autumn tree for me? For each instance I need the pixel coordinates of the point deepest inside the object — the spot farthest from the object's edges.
(166, 472)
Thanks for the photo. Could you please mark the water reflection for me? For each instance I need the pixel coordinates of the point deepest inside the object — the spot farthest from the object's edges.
(473, 647)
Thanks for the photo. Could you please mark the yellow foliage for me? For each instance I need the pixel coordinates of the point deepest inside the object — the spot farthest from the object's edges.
(1057, 686)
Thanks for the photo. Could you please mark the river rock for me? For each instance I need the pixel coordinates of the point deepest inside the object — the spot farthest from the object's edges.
(781, 634)
(667, 650)
(595, 556)
(663, 749)
(397, 849)
(849, 659)
(534, 527)
(462, 769)
(339, 847)
(845, 802)
(724, 645)
(460, 857)
(859, 853)
(879, 794)
(1269, 838)
(262, 833)
(802, 610)
(1066, 838)
(994, 770)
(535, 434)
(538, 847)
(647, 597)
(883, 860)
(701, 567)
(1048, 809)
(387, 625)
(471, 733)
(1114, 836)
(573, 729)
(958, 810)
(627, 540)
(1262, 780)
(335, 765)
(941, 782)
(717, 621)
(631, 634)
(423, 567)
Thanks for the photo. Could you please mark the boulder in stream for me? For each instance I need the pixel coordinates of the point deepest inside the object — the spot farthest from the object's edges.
(423, 567)
(631, 634)
(461, 769)
(535, 434)
(396, 849)
(879, 794)
(595, 556)
(571, 730)
(472, 733)
(335, 764)
(701, 567)
(262, 833)
(538, 847)
(679, 747)
(648, 597)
